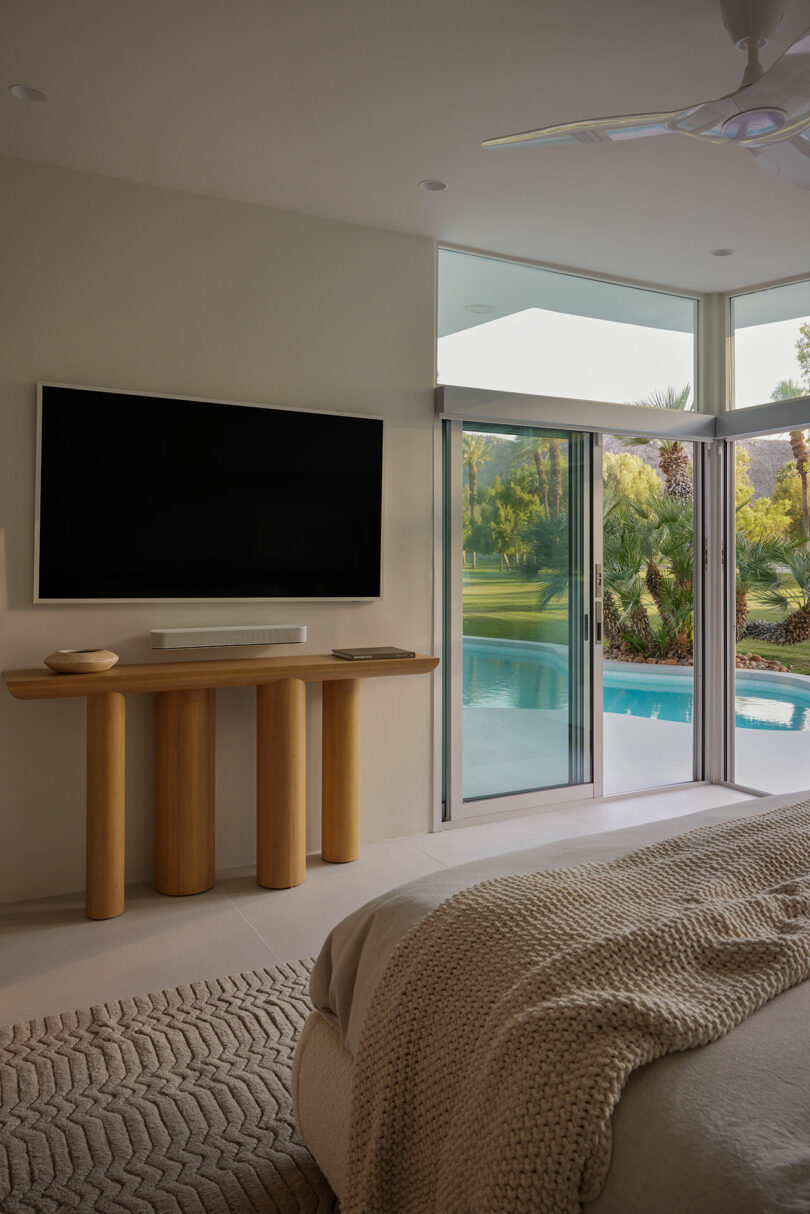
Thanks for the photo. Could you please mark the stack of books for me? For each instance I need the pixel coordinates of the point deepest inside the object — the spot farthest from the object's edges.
(378, 652)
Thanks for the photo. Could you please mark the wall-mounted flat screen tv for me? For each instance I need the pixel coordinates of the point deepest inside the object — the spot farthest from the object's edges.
(161, 498)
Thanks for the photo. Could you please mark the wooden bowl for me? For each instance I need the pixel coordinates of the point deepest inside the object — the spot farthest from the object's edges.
(81, 661)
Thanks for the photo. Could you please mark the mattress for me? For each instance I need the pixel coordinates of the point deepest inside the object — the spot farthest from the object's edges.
(720, 1130)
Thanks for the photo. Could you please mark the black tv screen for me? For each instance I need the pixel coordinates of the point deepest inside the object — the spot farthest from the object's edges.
(150, 497)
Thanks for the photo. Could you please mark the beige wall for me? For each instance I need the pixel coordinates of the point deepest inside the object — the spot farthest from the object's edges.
(113, 284)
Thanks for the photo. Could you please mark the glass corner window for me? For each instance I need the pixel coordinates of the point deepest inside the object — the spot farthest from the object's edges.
(771, 335)
(513, 327)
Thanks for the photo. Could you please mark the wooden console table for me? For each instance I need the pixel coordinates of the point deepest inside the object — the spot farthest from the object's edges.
(185, 802)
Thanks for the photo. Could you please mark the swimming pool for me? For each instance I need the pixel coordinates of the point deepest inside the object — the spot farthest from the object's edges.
(501, 674)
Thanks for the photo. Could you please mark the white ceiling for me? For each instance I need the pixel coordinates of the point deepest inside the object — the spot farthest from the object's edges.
(340, 108)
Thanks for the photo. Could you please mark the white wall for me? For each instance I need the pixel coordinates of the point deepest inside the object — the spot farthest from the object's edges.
(114, 284)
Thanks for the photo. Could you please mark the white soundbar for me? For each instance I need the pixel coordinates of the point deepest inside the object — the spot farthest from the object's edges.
(219, 638)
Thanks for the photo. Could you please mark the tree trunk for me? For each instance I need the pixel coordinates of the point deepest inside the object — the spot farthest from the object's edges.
(610, 619)
(640, 625)
(800, 455)
(674, 464)
(741, 602)
(797, 627)
(473, 490)
(682, 643)
(555, 460)
(654, 581)
(542, 479)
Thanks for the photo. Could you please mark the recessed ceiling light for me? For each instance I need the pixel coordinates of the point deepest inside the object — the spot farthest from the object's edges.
(433, 184)
(721, 252)
(26, 92)
(480, 309)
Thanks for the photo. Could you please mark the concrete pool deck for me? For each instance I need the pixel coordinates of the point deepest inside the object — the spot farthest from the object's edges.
(639, 752)
(773, 760)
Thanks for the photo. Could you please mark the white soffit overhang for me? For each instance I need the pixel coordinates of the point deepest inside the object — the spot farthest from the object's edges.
(506, 287)
(759, 306)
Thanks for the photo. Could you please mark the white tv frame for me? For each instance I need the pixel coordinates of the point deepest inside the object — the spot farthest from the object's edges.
(208, 400)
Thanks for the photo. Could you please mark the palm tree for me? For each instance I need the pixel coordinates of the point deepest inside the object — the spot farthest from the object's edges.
(624, 583)
(529, 449)
(648, 549)
(555, 466)
(549, 484)
(786, 389)
(675, 633)
(670, 524)
(477, 451)
(628, 546)
(548, 558)
(667, 526)
(798, 446)
(795, 628)
(756, 570)
(672, 458)
(626, 549)
(611, 619)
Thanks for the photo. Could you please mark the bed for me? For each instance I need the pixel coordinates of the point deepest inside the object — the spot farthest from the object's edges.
(724, 1129)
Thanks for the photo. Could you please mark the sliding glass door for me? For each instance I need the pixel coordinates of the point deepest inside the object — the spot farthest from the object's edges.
(771, 621)
(770, 742)
(519, 617)
(649, 573)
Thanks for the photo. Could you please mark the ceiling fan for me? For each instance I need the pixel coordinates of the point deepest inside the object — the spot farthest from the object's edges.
(768, 115)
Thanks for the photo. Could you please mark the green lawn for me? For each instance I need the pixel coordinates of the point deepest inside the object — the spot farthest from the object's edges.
(504, 604)
(795, 657)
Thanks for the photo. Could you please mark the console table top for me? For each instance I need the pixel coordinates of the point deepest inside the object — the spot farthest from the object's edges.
(43, 684)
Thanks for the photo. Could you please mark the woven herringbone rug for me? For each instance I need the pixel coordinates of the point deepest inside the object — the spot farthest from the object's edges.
(175, 1103)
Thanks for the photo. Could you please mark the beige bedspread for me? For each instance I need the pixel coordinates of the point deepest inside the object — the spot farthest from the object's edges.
(700, 1131)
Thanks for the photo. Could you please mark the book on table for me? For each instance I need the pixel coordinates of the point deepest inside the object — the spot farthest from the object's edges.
(370, 653)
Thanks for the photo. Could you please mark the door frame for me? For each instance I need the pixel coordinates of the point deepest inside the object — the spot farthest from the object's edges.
(712, 594)
(451, 808)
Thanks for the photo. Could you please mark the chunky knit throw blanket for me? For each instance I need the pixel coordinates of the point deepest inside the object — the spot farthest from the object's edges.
(508, 1020)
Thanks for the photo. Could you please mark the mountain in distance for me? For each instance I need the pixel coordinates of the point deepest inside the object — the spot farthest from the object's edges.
(768, 455)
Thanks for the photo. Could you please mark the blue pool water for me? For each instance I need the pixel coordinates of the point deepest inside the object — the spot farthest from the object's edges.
(525, 677)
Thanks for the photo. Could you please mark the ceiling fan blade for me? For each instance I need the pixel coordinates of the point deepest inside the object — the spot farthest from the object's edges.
(789, 159)
(599, 130)
(773, 108)
(785, 85)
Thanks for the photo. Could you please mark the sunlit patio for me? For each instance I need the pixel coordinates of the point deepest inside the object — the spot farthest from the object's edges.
(515, 749)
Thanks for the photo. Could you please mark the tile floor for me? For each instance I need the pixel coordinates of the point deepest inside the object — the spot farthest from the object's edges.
(53, 959)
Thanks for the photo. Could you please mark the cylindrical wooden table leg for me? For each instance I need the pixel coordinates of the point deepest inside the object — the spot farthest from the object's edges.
(185, 826)
(281, 784)
(341, 771)
(106, 746)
